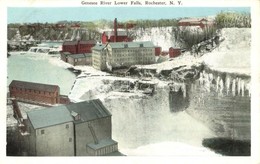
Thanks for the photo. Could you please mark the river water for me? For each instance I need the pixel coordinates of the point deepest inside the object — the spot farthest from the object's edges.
(39, 69)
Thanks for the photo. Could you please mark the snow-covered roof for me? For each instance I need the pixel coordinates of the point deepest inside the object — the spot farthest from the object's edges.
(101, 144)
(70, 43)
(76, 56)
(79, 42)
(49, 117)
(89, 110)
(99, 47)
(145, 44)
(87, 42)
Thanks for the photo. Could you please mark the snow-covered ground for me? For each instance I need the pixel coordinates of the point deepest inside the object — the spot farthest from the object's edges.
(233, 54)
(169, 149)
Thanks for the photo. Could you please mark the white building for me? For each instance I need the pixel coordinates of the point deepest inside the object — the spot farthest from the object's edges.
(123, 54)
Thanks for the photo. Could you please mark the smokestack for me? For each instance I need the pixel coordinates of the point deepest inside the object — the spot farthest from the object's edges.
(115, 30)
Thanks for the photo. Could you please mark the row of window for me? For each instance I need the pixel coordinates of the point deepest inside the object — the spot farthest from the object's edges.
(133, 60)
(132, 50)
(133, 54)
(31, 91)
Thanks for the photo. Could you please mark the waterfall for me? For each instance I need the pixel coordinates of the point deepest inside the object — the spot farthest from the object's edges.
(217, 84)
(248, 88)
(228, 85)
(243, 87)
(183, 87)
(238, 86)
(234, 87)
(221, 87)
(201, 78)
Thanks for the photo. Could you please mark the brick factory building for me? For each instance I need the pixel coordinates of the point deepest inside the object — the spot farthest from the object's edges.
(78, 47)
(158, 50)
(35, 92)
(116, 35)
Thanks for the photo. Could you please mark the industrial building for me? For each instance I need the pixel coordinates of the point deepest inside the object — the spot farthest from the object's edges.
(78, 47)
(117, 35)
(36, 92)
(123, 54)
(77, 129)
(79, 59)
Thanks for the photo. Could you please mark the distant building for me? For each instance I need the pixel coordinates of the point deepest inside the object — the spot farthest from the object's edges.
(70, 46)
(80, 59)
(36, 92)
(158, 50)
(123, 54)
(130, 53)
(111, 36)
(64, 56)
(201, 22)
(77, 129)
(77, 47)
(116, 35)
(174, 52)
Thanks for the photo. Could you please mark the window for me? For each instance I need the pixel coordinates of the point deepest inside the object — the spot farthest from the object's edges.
(42, 132)
(70, 139)
(67, 126)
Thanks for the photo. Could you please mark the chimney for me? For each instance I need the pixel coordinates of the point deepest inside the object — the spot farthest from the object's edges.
(115, 30)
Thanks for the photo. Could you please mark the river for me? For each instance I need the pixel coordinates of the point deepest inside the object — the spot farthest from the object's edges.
(39, 69)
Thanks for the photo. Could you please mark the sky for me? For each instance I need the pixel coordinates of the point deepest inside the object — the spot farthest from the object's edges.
(55, 14)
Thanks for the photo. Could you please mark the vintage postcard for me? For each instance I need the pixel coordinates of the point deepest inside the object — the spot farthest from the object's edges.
(176, 80)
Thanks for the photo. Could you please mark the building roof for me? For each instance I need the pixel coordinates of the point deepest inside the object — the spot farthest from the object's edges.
(89, 110)
(70, 43)
(87, 42)
(146, 44)
(99, 47)
(119, 33)
(79, 42)
(49, 117)
(197, 20)
(34, 86)
(76, 56)
(101, 144)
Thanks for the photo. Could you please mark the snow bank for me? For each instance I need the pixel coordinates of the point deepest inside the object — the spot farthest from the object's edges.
(96, 85)
(183, 60)
(169, 148)
(233, 54)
